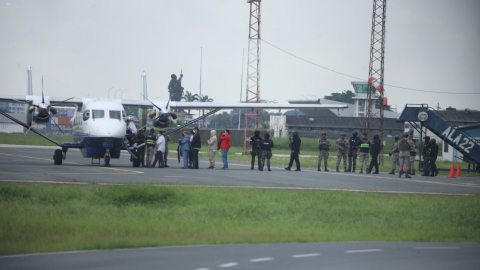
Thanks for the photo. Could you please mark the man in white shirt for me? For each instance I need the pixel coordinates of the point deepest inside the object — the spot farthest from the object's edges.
(131, 126)
(160, 146)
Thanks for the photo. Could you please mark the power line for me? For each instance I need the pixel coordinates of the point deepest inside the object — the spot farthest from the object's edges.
(354, 77)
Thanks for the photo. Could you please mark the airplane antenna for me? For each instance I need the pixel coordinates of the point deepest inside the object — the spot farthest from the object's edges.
(43, 100)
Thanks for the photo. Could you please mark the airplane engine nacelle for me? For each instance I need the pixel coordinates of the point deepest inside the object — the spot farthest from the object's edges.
(163, 121)
(31, 109)
(53, 110)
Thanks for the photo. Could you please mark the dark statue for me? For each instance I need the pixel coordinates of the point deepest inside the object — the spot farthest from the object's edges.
(175, 88)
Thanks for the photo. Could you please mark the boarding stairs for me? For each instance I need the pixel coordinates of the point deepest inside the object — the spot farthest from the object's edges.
(444, 129)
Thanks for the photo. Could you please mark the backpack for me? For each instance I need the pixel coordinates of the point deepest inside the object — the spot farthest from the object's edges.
(403, 145)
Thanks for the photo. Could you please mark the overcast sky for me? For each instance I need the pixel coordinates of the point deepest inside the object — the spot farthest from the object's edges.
(86, 47)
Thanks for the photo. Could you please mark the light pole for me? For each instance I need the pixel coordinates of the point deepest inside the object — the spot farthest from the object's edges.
(114, 96)
(121, 93)
(109, 91)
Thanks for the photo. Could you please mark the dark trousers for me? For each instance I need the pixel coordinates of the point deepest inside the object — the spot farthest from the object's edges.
(294, 157)
(195, 158)
(433, 166)
(141, 154)
(352, 156)
(374, 162)
(426, 164)
(159, 158)
(256, 154)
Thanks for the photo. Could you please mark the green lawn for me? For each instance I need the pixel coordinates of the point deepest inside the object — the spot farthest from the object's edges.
(41, 218)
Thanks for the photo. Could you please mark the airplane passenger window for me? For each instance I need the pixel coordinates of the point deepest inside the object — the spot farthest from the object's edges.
(115, 115)
(98, 114)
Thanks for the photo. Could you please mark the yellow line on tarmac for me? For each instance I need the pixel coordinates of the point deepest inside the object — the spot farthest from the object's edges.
(251, 187)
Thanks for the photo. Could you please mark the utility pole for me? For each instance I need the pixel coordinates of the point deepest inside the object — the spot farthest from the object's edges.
(374, 119)
(252, 117)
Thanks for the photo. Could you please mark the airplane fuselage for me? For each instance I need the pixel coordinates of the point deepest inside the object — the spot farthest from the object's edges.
(99, 125)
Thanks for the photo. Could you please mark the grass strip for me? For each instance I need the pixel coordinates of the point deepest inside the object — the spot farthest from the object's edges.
(40, 218)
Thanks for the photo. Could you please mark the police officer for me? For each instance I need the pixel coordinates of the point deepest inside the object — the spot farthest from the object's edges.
(364, 152)
(394, 155)
(405, 147)
(323, 147)
(413, 153)
(426, 156)
(150, 147)
(433, 157)
(375, 149)
(141, 150)
(353, 145)
(267, 146)
(295, 151)
(342, 146)
(256, 143)
(165, 155)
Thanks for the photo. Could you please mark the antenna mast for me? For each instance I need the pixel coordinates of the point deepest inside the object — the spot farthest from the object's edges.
(252, 117)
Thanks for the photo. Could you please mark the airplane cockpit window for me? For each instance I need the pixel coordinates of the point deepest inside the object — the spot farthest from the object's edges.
(115, 115)
(86, 115)
(98, 114)
(124, 116)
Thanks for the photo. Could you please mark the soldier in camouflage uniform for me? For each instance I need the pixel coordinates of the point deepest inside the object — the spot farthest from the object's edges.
(342, 146)
(412, 157)
(364, 152)
(405, 147)
(323, 147)
(394, 155)
(267, 146)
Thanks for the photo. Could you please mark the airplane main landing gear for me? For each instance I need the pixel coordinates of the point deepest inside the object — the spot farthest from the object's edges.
(57, 157)
(106, 158)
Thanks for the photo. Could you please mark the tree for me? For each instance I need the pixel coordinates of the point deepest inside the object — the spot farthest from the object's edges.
(188, 96)
(346, 96)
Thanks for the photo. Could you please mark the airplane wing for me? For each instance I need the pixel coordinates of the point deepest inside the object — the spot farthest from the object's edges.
(266, 106)
(59, 101)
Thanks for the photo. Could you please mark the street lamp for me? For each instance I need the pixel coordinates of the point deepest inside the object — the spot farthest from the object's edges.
(114, 96)
(121, 93)
(109, 91)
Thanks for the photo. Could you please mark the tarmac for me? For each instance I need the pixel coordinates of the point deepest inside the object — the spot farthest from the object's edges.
(34, 165)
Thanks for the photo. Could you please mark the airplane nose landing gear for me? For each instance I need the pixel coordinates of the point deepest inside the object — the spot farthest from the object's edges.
(106, 158)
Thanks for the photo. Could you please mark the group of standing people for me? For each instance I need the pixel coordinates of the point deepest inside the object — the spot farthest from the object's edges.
(190, 145)
(261, 149)
(350, 148)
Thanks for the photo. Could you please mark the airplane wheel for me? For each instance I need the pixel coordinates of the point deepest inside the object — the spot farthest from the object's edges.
(107, 161)
(58, 157)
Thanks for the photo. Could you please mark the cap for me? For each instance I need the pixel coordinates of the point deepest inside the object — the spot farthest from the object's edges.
(343, 134)
(152, 130)
(323, 133)
(405, 134)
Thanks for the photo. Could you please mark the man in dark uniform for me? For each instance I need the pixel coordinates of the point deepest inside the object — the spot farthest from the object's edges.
(364, 152)
(426, 156)
(295, 151)
(433, 157)
(141, 149)
(353, 145)
(150, 147)
(165, 155)
(375, 150)
(256, 143)
(267, 146)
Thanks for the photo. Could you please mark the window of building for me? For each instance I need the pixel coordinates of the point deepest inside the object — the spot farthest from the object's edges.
(115, 115)
(98, 114)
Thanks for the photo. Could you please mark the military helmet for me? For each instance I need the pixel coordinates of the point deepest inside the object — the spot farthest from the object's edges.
(396, 138)
(343, 134)
(152, 130)
(323, 133)
(433, 141)
(405, 134)
(257, 132)
(375, 136)
(427, 138)
(266, 135)
(355, 133)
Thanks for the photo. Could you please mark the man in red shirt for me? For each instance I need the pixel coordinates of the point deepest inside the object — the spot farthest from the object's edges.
(225, 145)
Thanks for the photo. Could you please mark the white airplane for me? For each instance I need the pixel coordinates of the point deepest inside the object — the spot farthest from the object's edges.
(100, 124)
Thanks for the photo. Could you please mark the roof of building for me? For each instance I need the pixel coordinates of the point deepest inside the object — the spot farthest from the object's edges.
(464, 117)
(338, 122)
